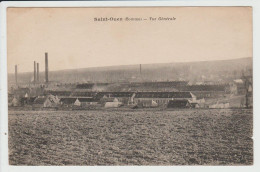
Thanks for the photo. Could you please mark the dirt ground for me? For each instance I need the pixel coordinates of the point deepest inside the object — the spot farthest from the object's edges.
(183, 137)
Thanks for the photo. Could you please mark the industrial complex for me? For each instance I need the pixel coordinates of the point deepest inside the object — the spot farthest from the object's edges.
(136, 94)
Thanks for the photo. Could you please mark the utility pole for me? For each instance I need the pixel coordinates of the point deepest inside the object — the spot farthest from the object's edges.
(246, 84)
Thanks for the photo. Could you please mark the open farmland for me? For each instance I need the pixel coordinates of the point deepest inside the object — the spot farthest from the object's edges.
(183, 137)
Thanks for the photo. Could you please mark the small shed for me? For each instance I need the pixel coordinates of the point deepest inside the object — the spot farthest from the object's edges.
(179, 104)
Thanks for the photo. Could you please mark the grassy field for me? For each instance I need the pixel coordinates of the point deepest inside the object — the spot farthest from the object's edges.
(184, 137)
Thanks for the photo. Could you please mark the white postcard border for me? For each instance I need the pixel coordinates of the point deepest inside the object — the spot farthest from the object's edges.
(3, 84)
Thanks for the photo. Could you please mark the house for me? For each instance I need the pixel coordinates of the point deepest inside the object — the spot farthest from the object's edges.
(108, 101)
(112, 104)
(77, 102)
(147, 103)
(124, 97)
(105, 99)
(15, 102)
(179, 104)
(49, 101)
(84, 101)
(163, 98)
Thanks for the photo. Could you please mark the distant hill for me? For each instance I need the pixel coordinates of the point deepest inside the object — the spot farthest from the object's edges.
(221, 70)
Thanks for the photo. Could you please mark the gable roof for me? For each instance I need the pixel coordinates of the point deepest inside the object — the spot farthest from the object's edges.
(160, 84)
(203, 88)
(83, 94)
(58, 93)
(87, 99)
(115, 94)
(68, 100)
(85, 86)
(163, 95)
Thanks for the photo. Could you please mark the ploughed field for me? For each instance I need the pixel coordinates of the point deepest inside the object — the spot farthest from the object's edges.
(183, 137)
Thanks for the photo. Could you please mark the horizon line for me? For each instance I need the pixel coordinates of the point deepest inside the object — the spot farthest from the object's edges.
(135, 64)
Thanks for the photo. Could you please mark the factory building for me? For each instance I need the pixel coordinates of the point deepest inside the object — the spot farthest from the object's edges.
(163, 98)
(48, 101)
(124, 97)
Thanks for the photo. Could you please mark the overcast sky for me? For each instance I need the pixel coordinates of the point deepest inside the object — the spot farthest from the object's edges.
(74, 40)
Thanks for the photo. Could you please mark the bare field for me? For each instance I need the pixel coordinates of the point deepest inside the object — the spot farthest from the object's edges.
(184, 137)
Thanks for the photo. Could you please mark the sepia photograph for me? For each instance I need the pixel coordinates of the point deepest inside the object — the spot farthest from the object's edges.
(130, 86)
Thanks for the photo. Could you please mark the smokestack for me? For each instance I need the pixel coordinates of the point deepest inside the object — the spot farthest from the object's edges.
(46, 68)
(140, 69)
(38, 72)
(16, 74)
(34, 76)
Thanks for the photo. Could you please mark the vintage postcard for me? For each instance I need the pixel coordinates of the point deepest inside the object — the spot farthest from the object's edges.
(123, 86)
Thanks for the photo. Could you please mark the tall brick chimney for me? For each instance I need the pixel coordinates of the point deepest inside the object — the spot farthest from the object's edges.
(38, 72)
(34, 73)
(46, 68)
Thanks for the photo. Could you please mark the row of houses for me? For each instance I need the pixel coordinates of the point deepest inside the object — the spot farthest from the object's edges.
(107, 99)
(69, 102)
(108, 102)
(39, 101)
